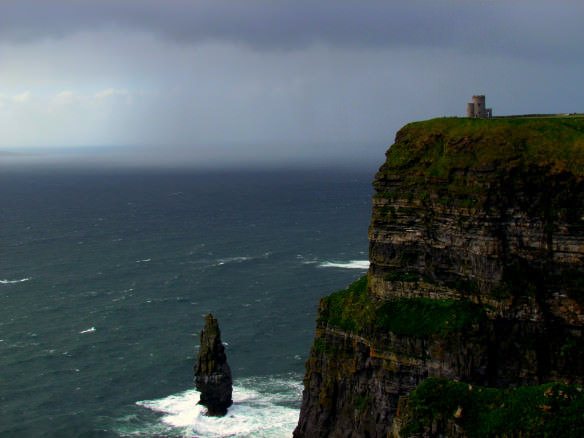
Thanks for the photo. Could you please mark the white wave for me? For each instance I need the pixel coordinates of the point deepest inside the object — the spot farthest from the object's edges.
(306, 261)
(241, 259)
(143, 261)
(353, 264)
(264, 411)
(21, 280)
(89, 330)
(224, 261)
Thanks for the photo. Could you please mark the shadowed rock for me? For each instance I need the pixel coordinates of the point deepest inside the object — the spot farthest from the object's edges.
(478, 215)
(212, 373)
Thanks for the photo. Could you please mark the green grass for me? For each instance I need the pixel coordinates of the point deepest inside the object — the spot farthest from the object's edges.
(552, 410)
(362, 402)
(431, 151)
(349, 309)
(353, 311)
(321, 346)
(423, 317)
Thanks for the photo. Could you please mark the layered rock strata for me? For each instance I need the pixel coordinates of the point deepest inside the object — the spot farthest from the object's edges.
(212, 372)
(476, 275)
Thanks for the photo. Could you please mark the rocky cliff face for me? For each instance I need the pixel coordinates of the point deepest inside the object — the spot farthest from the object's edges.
(477, 273)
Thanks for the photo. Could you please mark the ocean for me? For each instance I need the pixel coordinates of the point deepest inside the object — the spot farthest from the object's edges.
(106, 276)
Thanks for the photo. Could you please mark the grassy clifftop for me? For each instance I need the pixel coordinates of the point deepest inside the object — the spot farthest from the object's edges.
(436, 148)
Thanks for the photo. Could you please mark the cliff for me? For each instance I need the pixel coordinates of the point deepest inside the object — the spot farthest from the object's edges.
(476, 276)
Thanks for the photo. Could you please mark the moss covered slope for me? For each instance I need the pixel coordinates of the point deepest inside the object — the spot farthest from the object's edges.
(459, 409)
(436, 150)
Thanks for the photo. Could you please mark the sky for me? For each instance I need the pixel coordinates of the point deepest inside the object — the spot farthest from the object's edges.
(264, 82)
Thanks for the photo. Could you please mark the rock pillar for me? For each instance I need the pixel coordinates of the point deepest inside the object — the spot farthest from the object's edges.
(212, 373)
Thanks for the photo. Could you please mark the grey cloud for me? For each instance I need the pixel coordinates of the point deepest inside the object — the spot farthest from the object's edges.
(219, 79)
(525, 29)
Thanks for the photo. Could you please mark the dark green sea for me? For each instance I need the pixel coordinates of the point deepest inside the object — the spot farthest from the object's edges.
(105, 278)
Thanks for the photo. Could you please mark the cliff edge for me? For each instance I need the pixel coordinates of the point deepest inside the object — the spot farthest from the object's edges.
(476, 277)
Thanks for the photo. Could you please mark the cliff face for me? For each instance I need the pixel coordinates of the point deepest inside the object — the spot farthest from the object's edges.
(477, 273)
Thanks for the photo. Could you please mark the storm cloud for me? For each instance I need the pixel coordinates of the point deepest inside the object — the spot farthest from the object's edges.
(228, 80)
(518, 28)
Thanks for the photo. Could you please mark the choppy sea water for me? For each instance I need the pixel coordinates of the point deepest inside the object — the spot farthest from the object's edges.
(105, 278)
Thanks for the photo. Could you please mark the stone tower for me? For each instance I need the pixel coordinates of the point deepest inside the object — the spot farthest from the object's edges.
(476, 108)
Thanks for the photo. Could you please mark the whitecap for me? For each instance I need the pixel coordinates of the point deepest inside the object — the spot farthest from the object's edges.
(262, 407)
(306, 261)
(89, 330)
(233, 260)
(353, 264)
(143, 261)
(21, 280)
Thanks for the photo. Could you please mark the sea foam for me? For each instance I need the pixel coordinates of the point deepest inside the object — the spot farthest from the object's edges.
(221, 262)
(353, 264)
(262, 407)
(21, 280)
(89, 330)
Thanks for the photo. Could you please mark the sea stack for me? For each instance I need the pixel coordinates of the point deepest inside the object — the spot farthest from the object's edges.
(212, 372)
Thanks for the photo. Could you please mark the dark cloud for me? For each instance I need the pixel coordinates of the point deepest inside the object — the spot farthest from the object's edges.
(215, 80)
(531, 29)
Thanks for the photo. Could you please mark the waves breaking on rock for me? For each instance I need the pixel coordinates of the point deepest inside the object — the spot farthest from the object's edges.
(262, 407)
